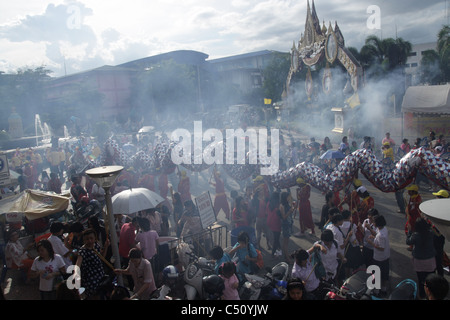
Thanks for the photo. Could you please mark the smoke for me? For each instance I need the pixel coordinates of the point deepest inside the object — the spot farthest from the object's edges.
(315, 117)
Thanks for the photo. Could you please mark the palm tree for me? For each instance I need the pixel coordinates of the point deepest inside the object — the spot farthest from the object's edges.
(443, 49)
(404, 49)
(382, 56)
(429, 67)
(372, 51)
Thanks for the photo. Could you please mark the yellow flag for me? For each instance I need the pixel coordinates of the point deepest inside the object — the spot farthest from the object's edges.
(267, 101)
(353, 101)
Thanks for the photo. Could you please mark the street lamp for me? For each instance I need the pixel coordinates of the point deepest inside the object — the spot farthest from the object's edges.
(105, 177)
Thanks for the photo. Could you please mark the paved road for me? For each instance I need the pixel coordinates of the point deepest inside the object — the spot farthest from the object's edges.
(400, 262)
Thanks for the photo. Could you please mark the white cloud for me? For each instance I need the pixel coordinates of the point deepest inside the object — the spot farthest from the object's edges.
(90, 33)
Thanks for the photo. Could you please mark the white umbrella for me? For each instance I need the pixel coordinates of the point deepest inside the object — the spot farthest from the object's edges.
(134, 200)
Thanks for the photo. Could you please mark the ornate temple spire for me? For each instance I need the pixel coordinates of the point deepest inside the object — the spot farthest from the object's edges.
(324, 28)
(339, 36)
(315, 19)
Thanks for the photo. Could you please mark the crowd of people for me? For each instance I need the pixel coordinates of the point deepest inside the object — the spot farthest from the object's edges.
(351, 232)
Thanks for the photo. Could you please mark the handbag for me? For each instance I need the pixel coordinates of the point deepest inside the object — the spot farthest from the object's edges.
(316, 261)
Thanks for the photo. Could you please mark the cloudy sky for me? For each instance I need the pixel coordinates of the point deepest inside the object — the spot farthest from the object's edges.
(87, 34)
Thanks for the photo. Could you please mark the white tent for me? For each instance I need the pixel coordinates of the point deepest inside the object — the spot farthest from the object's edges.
(427, 99)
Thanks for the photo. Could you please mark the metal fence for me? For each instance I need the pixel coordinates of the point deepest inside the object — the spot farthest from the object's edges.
(200, 243)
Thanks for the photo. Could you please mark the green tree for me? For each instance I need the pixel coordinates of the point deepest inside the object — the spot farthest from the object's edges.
(381, 56)
(443, 49)
(275, 75)
(430, 68)
(25, 91)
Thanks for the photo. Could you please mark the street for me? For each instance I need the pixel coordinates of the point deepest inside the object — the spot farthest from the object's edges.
(400, 261)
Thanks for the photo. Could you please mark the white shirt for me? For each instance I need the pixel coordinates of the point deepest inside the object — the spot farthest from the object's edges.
(382, 240)
(60, 248)
(338, 236)
(345, 229)
(367, 233)
(303, 273)
(53, 265)
(98, 192)
(329, 260)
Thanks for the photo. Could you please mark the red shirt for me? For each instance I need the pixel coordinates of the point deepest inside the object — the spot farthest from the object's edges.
(273, 220)
(163, 184)
(54, 185)
(243, 215)
(127, 239)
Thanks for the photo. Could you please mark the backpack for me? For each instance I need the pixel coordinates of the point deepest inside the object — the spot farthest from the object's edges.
(259, 260)
(316, 261)
(317, 264)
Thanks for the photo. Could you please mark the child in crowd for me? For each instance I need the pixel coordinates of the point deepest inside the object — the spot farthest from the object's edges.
(295, 290)
(148, 239)
(381, 252)
(220, 257)
(47, 266)
(304, 271)
(246, 255)
(228, 274)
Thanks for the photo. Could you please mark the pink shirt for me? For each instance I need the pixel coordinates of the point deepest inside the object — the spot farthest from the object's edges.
(141, 275)
(230, 293)
(391, 142)
(147, 242)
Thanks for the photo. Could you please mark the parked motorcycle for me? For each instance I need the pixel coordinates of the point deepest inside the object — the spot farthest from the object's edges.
(172, 287)
(355, 288)
(272, 286)
(193, 277)
(213, 286)
(85, 209)
(405, 290)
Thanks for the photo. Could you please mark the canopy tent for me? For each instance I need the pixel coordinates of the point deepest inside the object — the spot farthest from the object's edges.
(36, 204)
(427, 99)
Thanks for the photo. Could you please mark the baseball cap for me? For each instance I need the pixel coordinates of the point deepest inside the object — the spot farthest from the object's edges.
(412, 187)
(442, 193)
(357, 182)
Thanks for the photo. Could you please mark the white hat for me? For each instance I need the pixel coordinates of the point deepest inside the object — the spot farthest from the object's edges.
(361, 189)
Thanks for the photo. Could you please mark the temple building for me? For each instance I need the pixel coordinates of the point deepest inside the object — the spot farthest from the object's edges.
(313, 58)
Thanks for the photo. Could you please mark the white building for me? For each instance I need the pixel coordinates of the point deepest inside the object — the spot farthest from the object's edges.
(414, 59)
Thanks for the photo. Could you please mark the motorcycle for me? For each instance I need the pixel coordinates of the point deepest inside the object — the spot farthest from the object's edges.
(405, 290)
(355, 288)
(272, 286)
(213, 286)
(85, 209)
(172, 287)
(199, 268)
